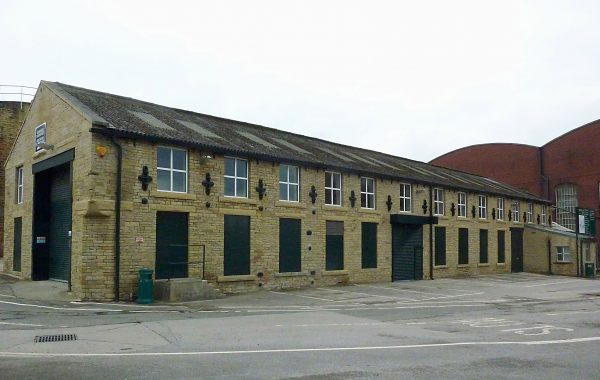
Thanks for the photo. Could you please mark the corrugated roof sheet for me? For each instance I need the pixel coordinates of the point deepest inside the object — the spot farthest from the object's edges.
(143, 120)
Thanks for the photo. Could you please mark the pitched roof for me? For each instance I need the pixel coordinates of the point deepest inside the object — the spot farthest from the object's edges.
(138, 119)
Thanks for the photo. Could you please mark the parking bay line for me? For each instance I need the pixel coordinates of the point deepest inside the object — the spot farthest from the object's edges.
(301, 350)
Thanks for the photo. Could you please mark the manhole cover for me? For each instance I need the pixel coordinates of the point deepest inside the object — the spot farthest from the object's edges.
(55, 338)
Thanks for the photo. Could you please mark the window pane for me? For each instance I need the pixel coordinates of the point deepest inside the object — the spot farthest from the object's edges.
(337, 181)
(283, 192)
(179, 159)
(328, 197)
(179, 180)
(363, 184)
(336, 197)
(293, 174)
(229, 166)
(283, 172)
(370, 201)
(163, 157)
(363, 200)
(164, 180)
(229, 187)
(242, 168)
(293, 193)
(328, 179)
(241, 188)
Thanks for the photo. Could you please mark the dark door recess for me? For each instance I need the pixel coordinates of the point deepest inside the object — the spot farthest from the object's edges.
(334, 245)
(289, 245)
(369, 245)
(407, 252)
(171, 245)
(236, 256)
(18, 230)
(516, 249)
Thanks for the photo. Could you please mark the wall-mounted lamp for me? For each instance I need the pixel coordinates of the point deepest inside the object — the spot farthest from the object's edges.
(144, 178)
(44, 146)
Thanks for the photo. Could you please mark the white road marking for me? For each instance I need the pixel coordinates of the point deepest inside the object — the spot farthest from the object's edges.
(20, 324)
(353, 324)
(300, 350)
(317, 298)
(454, 296)
(549, 283)
(367, 294)
(57, 308)
(544, 330)
(126, 305)
(574, 312)
(363, 307)
(7, 296)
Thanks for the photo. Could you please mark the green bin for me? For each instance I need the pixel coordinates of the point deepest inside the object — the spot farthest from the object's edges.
(145, 286)
(590, 270)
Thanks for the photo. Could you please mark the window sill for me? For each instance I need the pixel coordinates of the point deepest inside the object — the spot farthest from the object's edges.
(368, 210)
(247, 201)
(440, 267)
(341, 272)
(501, 264)
(172, 195)
(237, 278)
(289, 204)
(335, 208)
(562, 262)
(483, 265)
(292, 274)
(463, 265)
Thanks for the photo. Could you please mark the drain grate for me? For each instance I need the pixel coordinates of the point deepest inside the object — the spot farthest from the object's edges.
(55, 338)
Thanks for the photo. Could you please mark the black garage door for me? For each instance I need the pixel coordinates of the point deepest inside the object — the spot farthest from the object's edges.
(59, 239)
(407, 252)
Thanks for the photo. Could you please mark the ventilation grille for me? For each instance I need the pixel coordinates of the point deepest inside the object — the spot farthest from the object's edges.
(55, 338)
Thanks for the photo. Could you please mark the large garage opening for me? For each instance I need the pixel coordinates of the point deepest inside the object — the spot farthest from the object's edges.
(52, 218)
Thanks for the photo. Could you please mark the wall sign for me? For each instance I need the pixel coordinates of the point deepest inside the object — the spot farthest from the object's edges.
(40, 136)
(40, 239)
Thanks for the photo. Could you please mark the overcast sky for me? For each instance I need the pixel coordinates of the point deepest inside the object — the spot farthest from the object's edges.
(411, 78)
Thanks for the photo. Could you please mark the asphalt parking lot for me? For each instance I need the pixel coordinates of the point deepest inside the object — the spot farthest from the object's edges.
(508, 326)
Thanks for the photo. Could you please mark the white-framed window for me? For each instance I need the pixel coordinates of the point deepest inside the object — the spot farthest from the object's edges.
(19, 181)
(544, 215)
(462, 205)
(405, 197)
(516, 210)
(566, 203)
(367, 192)
(333, 188)
(438, 201)
(289, 183)
(482, 207)
(563, 255)
(171, 168)
(529, 212)
(236, 177)
(500, 206)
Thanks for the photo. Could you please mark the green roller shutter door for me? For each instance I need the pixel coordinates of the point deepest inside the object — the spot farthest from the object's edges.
(407, 252)
(289, 245)
(59, 240)
(171, 245)
(236, 256)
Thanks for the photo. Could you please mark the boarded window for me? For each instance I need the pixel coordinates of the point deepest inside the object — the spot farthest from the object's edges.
(289, 245)
(334, 250)
(440, 245)
(483, 246)
(369, 245)
(463, 246)
(236, 245)
(501, 247)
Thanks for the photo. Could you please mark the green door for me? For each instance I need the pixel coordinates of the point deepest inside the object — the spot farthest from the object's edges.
(289, 245)
(516, 249)
(171, 245)
(236, 255)
(369, 245)
(18, 229)
(334, 245)
(59, 239)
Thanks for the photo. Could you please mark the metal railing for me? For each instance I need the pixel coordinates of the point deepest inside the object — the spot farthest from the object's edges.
(14, 92)
(187, 263)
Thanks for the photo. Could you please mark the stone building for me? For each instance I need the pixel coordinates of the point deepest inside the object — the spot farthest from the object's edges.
(113, 184)
(565, 171)
(12, 114)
